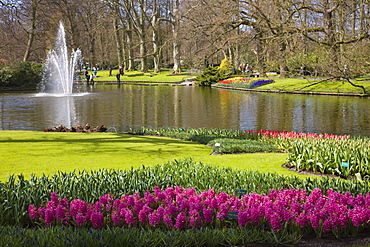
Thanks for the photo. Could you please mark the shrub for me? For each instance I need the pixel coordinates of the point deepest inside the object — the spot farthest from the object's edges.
(25, 75)
(212, 75)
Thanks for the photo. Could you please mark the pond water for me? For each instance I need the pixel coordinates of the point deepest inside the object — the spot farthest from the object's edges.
(127, 106)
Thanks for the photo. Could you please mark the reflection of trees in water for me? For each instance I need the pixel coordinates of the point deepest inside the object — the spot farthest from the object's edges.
(184, 107)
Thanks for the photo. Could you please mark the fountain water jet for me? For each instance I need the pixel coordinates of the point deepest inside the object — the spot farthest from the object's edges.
(59, 70)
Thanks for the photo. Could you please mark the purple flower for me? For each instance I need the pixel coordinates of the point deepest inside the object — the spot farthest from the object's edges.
(129, 217)
(153, 218)
(60, 211)
(77, 206)
(143, 216)
(172, 209)
(167, 220)
(208, 215)
(116, 218)
(32, 211)
(243, 218)
(302, 219)
(275, 222)
(328, 225)
(80, 219)
(180, 221)
(54, 197)
(159, 194)
(149, 199)
(106, 201)
(359, 215)
(49, 216)
(97, 219)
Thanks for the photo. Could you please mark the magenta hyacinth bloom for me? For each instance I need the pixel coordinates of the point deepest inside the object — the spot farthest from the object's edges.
(180, 221)
(185, 208)
(80, 219)
(32, 211)
(49, 216)
(154, 218)
(97, 219)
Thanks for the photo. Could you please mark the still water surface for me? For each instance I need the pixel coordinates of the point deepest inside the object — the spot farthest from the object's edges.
(127, 106)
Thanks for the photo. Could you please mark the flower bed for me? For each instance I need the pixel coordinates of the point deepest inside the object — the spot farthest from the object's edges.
(245, 82)
(293, 134)
(339, 213)
(184, 73)
(132, 75)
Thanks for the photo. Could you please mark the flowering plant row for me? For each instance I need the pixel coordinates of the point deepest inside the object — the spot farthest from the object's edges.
(246, 82)
(292, 135)
(185, 208)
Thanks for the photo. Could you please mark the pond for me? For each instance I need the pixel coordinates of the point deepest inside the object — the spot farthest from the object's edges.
(132, 106)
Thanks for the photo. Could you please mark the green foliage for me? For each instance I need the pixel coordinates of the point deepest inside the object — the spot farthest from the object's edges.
(326, 156)
(318, 155)
(17, 193)
(231, 141)
(5, 77)
(225, 65)
(201, 135)
(228, 145)
(212, 75)
(295, 62)
(68, 236)
(25, 75)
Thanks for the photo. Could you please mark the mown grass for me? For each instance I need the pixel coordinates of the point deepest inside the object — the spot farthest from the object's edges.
(28, 152)
(283, 84)
(163, 76)
(295, 84)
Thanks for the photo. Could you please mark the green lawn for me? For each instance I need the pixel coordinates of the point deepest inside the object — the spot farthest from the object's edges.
(284, 84)
(31, 152)
(163, 76)
(295, 84)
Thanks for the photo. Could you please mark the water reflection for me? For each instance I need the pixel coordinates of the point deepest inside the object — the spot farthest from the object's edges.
(59, 108)
(175, 106)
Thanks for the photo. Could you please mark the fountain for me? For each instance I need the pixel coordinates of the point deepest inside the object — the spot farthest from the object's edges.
(59, 70)
(57, 84)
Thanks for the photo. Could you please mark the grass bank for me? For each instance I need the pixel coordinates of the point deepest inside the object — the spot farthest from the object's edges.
(300, 85)
(164, 76)
(31, 152)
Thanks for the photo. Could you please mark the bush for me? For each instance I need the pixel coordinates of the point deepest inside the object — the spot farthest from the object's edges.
(25, 75)
(212, 75)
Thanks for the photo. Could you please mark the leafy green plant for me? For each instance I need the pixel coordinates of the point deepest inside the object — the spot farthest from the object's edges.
(212, 75)
(68, 236)
(227, 145)
(25, 75)
(331, 156)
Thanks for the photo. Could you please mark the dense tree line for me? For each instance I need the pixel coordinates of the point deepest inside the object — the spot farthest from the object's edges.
(271, 35)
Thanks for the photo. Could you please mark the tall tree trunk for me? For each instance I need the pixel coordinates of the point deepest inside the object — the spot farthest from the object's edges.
(175, 34)
(117, 37)
(259, 53)
(31, 32)
(129, 50)
(333, 50)
(155, 38)
(282, 59)
(142, 36)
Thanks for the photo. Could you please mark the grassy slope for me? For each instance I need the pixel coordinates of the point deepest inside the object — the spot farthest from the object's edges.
(30, 152)
(292, 84)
